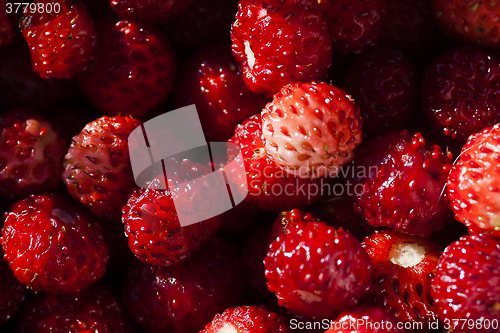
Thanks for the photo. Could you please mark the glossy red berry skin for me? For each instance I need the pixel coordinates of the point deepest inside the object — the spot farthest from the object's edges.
(459, 90)
(400, 183)
(466, 284)
(52, 245)
(280, 42)
(97, 166)
(368, 319)
(307, 283)
(287, 220)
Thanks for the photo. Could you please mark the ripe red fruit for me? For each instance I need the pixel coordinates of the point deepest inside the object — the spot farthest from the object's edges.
(287, 220)
(63, 43)
(12, 292)
(460, 92)
(30, 154)
(213, 81)
(354, 25)
(134, 71)
(474, 183)
(403, 182)
(404, 267)
(247, 319)
(316, 270)
(97, 166)
(182, 298)
(280, 42)
(152, 226)
(311, 130)
(466, 287)
(475, 22)
(149, 11)
(94, 309)
(385, 85)
(365, 320)
(52, 245)
(270, 187)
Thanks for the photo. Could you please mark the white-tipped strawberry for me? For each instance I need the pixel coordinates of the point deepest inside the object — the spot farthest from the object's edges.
(311, 129)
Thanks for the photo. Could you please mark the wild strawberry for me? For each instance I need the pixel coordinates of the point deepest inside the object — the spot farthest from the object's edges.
(134, 71)
(212, 80)
(365, 320)
(52, 245)
(354, 25)
(459, 92)
(97, 166)
(184, 297)
(385, 85)
(473, 21)
(404, 267)
(6, 32)
(92, 310)
(287, 220)
(62, 44)
(474, 183)
(149, 11)
(311, 129)
(402, 181)
(12, 292)
(465, 286)
(247, 319)
(30, 154)
(269, 187)
(280, 42)
(152, 226)
(316, 270)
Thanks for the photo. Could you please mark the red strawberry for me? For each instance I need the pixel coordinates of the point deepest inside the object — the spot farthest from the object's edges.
(385, 85)
(52, 245)
(473, 21)
(354, 25)
(6, 32)
(278, 42)
(134, 71)
(152, 226)
(403, 270)
(460, 92)
(474, 183)
(399, 183)
(12, 293)
(149, 11)
(366, 320)
(97, 166)
(466, 287)
(30, 154)
(212, 80)
(247, 319)
(311, 129)
(316, 270)
(182, 298)
(62, 44)
(287, 220)
(92, 310)
(269, 187)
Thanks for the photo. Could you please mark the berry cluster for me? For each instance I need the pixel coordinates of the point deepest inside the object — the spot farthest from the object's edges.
(369, 132)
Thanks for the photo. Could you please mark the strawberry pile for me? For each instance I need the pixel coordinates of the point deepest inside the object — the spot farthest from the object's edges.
(369, 136)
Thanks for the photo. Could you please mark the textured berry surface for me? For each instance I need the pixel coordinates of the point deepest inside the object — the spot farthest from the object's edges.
(384, 84)
(213, 82)
(97, 166)
(404, 266)
(149, 11)
(466, 285)
(184, 297)
(403, 182)
(354, 25)
(316, 270)
(30, 154)
(247, 319)
(63, 46)
(460, 92)
(287, 220)
(52, 245)
(311, 129)
(476, 21)
(365, 320)
(474, 183)
(135, 69)
(270, 187)
(280, 42)
(12, 293)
